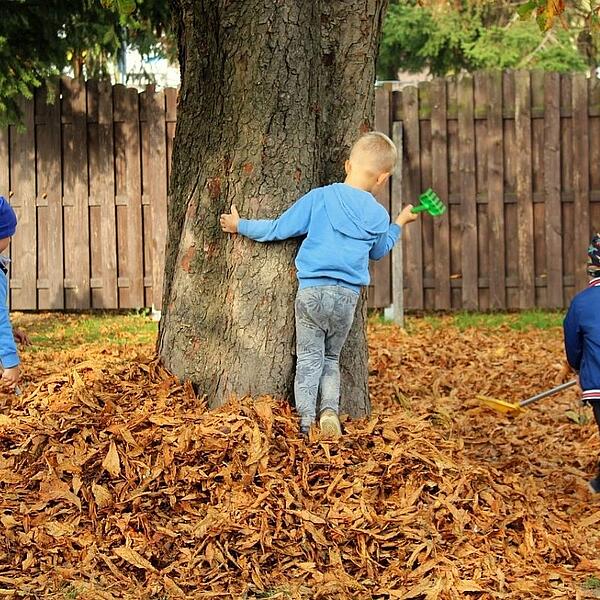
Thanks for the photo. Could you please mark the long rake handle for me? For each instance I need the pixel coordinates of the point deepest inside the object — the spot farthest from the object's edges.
(554, 390)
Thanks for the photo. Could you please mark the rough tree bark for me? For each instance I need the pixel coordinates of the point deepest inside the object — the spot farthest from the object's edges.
(273, 93)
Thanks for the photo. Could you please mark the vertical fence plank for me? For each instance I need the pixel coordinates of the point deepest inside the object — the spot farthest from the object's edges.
(412, 236)
(128, 199)
(44, 168)
(145, 104)
(51, 295)
(466, 136)
(109, 296)
(24, 244)
(426, 222)
(567, 160)
(75, 194)
(480, 95)
(553, 212)
(524, 191)
(154, 152)
(95, 183)
(538, 188)
(396, 207)
(4, 162)
(171, 121)
(103, 228)
(454, 191)
(497, 250)
(380, 292)
(134, 193)
(581, 174)
(594, 137)
(511, 155)
(439, 174)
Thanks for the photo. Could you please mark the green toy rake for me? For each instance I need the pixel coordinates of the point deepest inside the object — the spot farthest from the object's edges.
(431, 203)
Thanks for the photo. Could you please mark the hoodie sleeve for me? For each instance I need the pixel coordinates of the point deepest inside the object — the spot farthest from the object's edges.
(8, 349)
(385, 242)
(292, 223)
(573, 337)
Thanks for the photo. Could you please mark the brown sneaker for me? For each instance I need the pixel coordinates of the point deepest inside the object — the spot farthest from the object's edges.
(330, 424)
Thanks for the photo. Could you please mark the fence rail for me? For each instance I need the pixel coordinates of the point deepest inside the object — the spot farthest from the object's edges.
(514, 155)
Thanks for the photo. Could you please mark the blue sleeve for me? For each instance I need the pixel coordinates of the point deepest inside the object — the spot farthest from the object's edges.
(385, 242)
(292, 223)
(573, 337)
(8, 349)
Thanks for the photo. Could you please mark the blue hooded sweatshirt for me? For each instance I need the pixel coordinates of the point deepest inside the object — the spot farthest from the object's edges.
(582, 339)
(344, 227)
(8, 349)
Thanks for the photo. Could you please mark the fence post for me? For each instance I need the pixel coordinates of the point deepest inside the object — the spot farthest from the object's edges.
(396, 206)
(381, 269)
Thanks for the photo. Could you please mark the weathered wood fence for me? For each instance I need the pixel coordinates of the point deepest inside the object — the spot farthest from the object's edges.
(88, 179)
(515, 155)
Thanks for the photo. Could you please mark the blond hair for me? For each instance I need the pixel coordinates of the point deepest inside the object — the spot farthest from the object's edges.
(375, 152)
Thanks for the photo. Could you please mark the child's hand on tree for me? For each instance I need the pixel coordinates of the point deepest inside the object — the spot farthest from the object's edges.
(229, 222)
(406, 216)
(10, 377)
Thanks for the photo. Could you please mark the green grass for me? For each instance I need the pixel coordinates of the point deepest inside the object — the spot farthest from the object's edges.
(71, 593)
(534, 319)
(531, 319)
(592, 583)
(68, 331)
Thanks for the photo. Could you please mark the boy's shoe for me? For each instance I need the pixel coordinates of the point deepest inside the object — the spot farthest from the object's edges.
(330, 424)
(305, 430)
(594, 485)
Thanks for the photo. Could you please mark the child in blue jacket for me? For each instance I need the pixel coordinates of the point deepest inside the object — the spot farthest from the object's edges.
(582, 338)
(8, 349)
(343, 226)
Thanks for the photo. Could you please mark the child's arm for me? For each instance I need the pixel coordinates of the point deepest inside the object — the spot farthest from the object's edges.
(573, 337)
(292, 223)
(8, 350)
(385, 242)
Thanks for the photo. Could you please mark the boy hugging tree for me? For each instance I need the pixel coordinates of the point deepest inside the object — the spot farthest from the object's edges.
(343, 227)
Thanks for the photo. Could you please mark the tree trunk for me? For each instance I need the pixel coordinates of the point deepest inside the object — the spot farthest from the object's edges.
(272, 95)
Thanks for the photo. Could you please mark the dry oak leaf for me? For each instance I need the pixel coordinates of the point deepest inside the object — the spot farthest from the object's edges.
(173, 589)
(135, 558)
(111, 462)
(55, 489)
(102, 495)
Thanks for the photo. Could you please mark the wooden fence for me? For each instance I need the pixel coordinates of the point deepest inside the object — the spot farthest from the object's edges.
(88, 179)
(514, 155)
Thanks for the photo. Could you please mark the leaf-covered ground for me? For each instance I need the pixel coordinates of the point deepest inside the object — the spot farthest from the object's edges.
(115, 482)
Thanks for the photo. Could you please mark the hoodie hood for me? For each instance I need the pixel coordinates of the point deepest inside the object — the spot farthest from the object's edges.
(355, 213)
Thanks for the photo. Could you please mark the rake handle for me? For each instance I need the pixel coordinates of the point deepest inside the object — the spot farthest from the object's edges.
(418, 209)
(554, 390)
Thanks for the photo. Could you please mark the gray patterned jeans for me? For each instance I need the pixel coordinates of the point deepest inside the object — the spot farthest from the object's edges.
(324, 316)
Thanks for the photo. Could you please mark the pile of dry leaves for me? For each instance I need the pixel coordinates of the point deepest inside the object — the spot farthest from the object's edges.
(115, 483)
